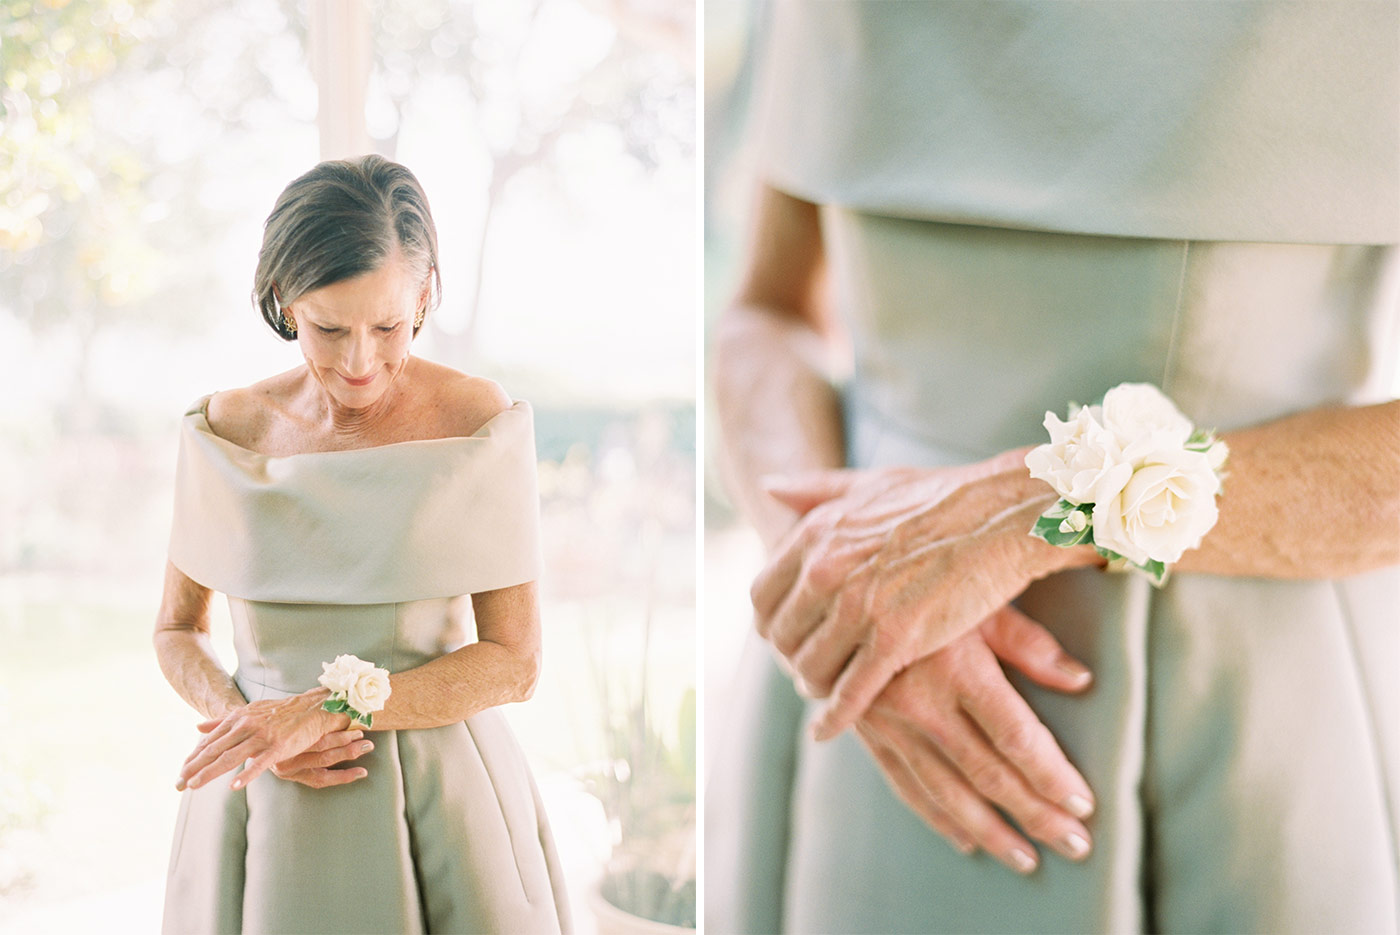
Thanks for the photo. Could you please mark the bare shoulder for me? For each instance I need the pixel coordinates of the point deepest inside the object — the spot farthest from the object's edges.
(244, 415)
(463, 403)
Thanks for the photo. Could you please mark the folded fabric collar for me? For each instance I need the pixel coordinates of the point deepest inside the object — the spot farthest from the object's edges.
(408, 521)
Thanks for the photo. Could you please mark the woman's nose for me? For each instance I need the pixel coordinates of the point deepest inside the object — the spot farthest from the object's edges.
(359, 355)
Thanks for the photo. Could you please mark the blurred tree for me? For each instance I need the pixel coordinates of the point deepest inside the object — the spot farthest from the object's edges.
(107, 112)
(639, 84)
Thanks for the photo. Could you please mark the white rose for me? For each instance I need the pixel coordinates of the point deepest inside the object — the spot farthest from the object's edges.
(1137, 411)
(342, 673)
(1078, 456)
(1166, 507)
(370, 691)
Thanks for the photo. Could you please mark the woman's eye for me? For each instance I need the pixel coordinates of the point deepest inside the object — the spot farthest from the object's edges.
(388, 329)
(328, 330)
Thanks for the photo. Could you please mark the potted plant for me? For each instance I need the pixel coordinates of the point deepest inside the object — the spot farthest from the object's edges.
(646, 785)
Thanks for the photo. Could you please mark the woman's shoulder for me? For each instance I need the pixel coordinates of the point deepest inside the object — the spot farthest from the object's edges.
(463, 403)
(244, 415)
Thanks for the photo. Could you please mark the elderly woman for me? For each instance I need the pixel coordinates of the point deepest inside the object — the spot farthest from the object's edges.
(991, 210)
(343, 507)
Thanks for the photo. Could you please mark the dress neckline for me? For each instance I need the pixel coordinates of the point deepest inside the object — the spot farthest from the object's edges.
(199, 414)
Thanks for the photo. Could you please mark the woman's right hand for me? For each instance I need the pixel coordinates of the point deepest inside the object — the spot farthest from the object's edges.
(314, 767)
(954, 738)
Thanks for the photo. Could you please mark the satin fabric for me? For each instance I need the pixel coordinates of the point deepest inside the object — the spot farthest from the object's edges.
(1248, 120)
(401, 522)
(1242, 735)
(362, 552)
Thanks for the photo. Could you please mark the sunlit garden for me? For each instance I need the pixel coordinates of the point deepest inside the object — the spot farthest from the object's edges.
(141, 146)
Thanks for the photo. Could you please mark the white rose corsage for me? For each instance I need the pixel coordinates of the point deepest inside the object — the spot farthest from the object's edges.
(358, 688)
(1136, 480)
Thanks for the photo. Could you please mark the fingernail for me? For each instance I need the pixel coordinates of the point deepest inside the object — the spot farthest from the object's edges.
(180, 784)
(366, 747)
(236, 784)
(964, 847)
(1020, 861)
(1074, 669)
(1078, 806)
(1073, 846)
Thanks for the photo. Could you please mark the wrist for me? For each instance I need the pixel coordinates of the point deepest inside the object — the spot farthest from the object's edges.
(1135, 479)
(1042, 558)
(331, 721)
(353, 687)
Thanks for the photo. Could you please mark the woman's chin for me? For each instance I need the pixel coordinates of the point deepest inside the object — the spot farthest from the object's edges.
(347, 395)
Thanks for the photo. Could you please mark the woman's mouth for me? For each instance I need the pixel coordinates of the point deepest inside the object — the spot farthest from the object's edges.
(362, 381)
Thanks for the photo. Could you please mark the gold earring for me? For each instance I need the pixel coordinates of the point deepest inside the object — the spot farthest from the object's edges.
(418, 319)
(289, 322)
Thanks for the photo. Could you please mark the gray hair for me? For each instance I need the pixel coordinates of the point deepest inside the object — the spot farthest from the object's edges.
(338, 221)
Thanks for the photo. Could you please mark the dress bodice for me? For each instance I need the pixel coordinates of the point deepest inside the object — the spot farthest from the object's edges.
(281, 646)
(365, 551)
(964, 336)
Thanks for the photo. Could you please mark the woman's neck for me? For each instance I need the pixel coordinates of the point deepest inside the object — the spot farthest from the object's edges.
(375, 423)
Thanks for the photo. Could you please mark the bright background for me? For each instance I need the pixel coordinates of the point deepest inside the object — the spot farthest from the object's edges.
(733, 554)
(142, 143)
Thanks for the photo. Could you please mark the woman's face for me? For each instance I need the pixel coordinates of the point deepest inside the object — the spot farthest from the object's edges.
(355, 334)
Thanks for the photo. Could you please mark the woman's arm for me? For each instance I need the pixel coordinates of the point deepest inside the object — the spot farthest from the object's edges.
(189, 664)
(865, 585)
(499, 668)
(1313, 495)
(779, 413)
(778, 410)
(183, 650)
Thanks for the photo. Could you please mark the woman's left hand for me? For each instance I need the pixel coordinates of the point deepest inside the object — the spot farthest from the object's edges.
(263, 733)
(886, 566)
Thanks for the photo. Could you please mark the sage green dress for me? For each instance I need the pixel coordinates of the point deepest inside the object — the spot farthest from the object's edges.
(1025, 204)
(363, 551)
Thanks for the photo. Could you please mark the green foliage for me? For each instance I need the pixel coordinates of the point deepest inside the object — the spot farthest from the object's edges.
(1155, 571)
(1200, 440)
(111, 115)
(646, 785)
(73, 189)
(337, 705)
(1047, 527)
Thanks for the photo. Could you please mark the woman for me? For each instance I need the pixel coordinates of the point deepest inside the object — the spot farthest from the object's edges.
(1012, 206)
(343, 506)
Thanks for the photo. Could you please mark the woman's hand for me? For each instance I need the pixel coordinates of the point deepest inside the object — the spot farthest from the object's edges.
(314, 768)
(262, 732)
(889, 565)
(954, 738)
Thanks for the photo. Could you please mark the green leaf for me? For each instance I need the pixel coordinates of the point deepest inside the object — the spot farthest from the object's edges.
(1201, 440)
(1154, 571)
(336, 705)
(1048, 529)
(1060, 510)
